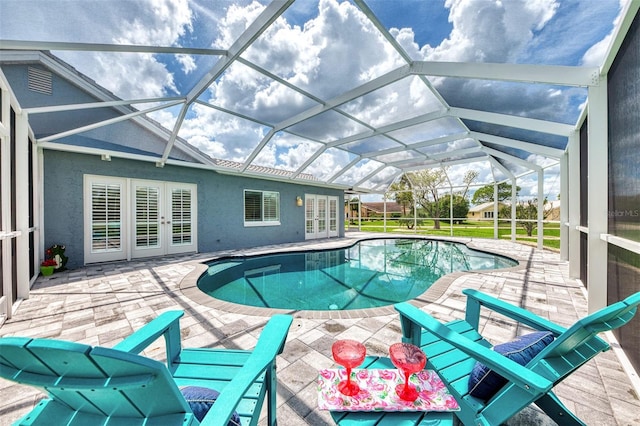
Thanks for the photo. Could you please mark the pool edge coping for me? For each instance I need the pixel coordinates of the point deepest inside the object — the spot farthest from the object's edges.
(189, 284)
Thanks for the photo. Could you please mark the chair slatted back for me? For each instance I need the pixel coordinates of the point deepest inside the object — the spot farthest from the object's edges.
(580, 342)
(92, 380)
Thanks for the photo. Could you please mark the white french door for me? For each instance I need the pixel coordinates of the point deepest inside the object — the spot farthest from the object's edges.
(130, 218)
(321, 216)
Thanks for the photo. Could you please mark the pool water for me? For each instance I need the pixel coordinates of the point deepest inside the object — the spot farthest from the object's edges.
(371, 273)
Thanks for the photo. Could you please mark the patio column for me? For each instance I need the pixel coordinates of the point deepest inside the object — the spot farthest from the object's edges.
(514, 199)
(5, 201)
(540, 208)
(598, 195)
(564, 212)
(495, 210)
(572, 202)
(22, 203)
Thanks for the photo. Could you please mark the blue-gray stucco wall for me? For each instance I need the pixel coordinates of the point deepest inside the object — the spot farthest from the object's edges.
(220, 202)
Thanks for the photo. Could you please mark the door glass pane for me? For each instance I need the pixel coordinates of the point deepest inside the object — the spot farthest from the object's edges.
(180, 216)
(147, 217)
(322, 214)
(106, 222)
(309, 215)
(333, 215)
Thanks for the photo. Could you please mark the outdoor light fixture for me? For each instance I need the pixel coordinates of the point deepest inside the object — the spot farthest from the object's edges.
(299, 201)
(105, 157)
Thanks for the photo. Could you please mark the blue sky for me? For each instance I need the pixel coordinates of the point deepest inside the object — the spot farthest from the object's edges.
(325, 47)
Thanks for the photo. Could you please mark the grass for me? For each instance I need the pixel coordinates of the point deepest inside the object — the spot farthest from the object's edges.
(475, 229)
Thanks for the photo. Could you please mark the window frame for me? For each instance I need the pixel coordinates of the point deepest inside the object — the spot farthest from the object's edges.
(274, 221)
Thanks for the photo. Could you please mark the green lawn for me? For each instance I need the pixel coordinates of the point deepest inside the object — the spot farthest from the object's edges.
(469, 229)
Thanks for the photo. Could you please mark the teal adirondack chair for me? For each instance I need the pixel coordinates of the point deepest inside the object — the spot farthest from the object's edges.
(96, 385)
(453, 349)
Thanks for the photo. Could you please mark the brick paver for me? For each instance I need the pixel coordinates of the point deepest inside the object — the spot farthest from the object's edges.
(101, 304)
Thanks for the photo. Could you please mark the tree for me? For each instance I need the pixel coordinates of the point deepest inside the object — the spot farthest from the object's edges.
(426, 184)
(402, 194)
(526, 214)
(460, 207)
(468, 179)
(485, 193)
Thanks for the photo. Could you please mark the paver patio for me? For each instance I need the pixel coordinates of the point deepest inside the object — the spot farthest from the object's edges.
(101, 304)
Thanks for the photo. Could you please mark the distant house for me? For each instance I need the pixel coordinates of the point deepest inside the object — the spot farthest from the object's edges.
(377, 209)
(483, 211)
(552, 209)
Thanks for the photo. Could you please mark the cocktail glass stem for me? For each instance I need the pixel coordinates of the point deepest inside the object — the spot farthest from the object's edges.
(348, 379)
(406, 382)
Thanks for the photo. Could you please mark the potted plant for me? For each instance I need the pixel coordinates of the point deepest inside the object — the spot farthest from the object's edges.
(56, 252)
(48, 266)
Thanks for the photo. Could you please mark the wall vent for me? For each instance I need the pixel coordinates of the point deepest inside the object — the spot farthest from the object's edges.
(40, 81)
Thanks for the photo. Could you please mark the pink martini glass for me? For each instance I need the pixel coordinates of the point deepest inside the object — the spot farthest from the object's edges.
(349, 354)
(410, 359)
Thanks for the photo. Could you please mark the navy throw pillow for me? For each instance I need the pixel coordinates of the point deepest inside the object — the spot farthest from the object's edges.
(484, 382)
(201, 399)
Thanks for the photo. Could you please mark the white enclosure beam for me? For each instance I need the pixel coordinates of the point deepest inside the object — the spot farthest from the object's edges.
(106, 122)
(511, 158)
(242, 43)
(414, 146)
(22, 203)
(572, 200)
(547, 74)
(598, 196)
(543, 126)
(564, 208)
(344, 169)
(540, 225)
(513, 143)
(74, 107)
(100, 47)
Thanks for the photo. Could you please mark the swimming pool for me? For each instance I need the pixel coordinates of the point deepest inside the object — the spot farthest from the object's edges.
(371, 273)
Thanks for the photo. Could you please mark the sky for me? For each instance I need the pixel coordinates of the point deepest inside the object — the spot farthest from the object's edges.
(327, 47)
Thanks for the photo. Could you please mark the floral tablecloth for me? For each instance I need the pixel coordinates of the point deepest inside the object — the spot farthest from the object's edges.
(377, 391)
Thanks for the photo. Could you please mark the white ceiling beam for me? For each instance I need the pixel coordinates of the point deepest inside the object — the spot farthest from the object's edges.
(368, 87)
(101, 47)
(546, 74)
(513, 143)
(414, 146)
(107, 122)
(265, 140)
(255, 29)
(342, 171)
(502, 168)
(464, 161)
(370, 175)
(73, 107)
(513, 159)
(543, 126)
(390, 128)
(630, 9)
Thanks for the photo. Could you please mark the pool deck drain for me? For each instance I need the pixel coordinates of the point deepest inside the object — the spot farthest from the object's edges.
(101, 304)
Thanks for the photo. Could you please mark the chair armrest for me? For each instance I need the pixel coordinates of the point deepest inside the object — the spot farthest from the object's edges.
(511, 370)
(477, 299)
(167, 325)
(270, 343)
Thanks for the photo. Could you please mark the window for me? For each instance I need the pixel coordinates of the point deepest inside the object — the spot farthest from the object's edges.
(488, 215)
(261, 208)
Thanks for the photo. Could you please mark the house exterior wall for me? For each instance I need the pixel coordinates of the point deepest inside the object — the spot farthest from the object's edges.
(220, 202)
(131, 137)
